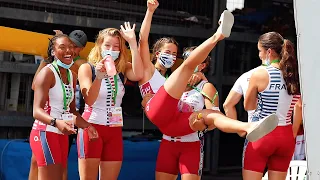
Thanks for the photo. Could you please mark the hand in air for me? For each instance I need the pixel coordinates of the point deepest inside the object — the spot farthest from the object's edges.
(57, 32)
(128, 33)
(152, 5)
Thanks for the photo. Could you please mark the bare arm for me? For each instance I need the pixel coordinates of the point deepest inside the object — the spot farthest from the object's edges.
(41, 65)
(230, 103)
(210, 90)
(44, 80)
(79, 121)
(89, 89)
(258, 82)
(297, 117)
(144, 36)
(134, 71)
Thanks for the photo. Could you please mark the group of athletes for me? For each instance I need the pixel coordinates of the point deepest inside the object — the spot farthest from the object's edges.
(183, 104)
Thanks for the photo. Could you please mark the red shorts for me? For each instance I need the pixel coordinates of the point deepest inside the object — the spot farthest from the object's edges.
(274, 150)
(49, 147)
(186, 157)
(162, 111)
(108, 147)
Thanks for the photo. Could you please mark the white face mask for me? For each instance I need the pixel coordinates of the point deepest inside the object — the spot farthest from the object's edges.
(113, 54)
(167, 60)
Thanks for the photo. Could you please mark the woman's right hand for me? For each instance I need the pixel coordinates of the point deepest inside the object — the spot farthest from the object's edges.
(152, 5)
(100, 70)
(66, 127)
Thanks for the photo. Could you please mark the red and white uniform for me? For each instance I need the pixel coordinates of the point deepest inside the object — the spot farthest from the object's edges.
(242, 84)
(183, 154)
(153, 85)
(48, 143)
(110, 138)
(275, 149)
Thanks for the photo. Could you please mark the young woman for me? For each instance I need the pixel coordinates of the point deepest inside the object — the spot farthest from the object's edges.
(162, 110)
(103, 97)
(79, 38)
(185, 154)
(164, 56)
(278, 90)
(54, 111)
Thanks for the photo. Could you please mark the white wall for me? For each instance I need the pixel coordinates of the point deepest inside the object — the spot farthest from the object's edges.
(307, 14)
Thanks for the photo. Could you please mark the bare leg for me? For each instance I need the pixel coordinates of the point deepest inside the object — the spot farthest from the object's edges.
(109, 170)
(222, 122)
(50, 172)
(165, 176)
(33, 174)
(89, 168)
(178, 80)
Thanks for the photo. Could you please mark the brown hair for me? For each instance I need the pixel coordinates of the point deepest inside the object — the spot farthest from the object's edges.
(52, 42)
(288, 63)
(159, 44)
(187, 51)
(95, 54)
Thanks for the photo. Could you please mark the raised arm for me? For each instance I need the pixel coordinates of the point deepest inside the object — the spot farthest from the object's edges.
(134, 70)
(144, 35)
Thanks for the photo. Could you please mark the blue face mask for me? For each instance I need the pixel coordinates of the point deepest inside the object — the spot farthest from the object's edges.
(167, 60)
(113, 54)
(196, 70)
(63, 65)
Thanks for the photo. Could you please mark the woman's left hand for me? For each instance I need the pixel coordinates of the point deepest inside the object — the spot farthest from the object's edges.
(127, 32)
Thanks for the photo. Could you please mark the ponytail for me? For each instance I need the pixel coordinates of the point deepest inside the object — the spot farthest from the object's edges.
(289, 68)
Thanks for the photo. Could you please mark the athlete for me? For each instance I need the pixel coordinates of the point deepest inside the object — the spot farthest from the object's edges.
(278, 90)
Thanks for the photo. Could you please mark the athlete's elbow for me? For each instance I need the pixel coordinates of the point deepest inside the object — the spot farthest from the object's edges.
(35, 113)
(227, 106)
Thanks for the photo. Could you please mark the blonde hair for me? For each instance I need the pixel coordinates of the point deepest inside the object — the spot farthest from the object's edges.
(95, 54)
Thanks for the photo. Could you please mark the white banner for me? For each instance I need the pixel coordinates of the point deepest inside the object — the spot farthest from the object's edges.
(307, 14)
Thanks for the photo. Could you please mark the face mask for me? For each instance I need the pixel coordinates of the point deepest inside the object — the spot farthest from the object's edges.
(63, 65)
(267, 61)
(167, 60)
(113, 54)
(196, 70)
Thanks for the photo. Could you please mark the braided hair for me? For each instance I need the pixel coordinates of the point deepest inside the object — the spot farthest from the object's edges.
(50, 49)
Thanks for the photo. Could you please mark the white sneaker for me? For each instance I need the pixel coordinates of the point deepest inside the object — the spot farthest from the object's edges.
(263, 127)
(226, 22)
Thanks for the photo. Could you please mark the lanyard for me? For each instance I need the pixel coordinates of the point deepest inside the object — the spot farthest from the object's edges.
(115, 89)
(273, 61)
(76, 58)
(54, 64)
(205, 94)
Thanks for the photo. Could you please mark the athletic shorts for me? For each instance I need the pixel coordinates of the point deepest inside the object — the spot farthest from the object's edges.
(183, 157)
(162, 111)
(274, 150)
(49, 147)
(108, 147)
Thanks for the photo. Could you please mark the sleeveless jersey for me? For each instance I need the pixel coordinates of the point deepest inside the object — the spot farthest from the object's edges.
(152, 86)
(54, 106)
(275, 98)
(98, 112)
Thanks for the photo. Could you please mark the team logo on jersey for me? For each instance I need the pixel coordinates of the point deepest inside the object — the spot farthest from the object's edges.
(146, 89)
(36, 138)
